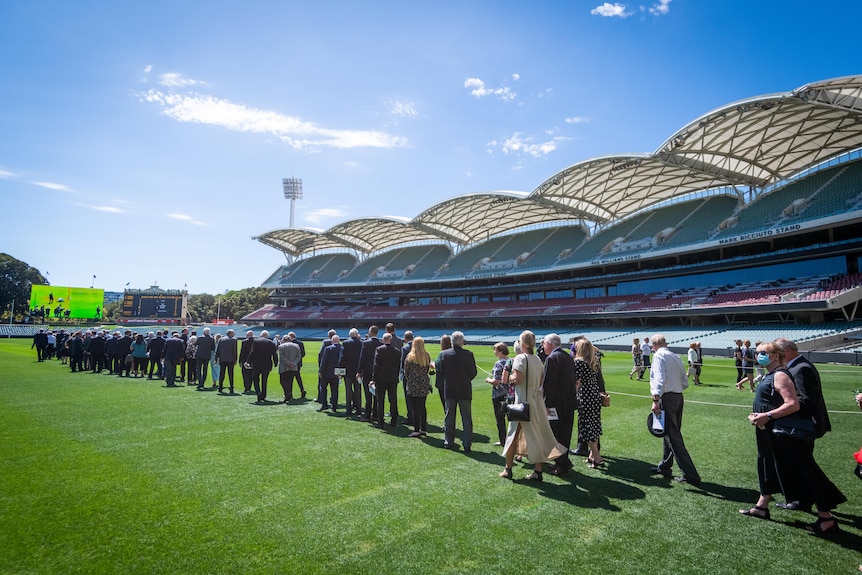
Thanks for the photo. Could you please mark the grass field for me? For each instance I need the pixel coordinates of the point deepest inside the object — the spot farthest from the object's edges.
(106, 475)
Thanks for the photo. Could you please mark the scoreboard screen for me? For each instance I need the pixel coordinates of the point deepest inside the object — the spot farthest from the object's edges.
(152, 305)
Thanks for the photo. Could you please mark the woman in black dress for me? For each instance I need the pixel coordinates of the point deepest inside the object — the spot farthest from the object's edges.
(589, 400)
(784, 464)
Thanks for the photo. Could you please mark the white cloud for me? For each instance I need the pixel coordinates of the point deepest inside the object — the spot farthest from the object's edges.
(577, 120)
(516, 144)
(516, 77)
(109, 209)
(176, 80)
(479, 90)
(202, 109)
(148, 68)
(53, 186)
(610, 10)
(402, 109)
(324, 214)
(351, 164)
(186, 218)
(5, 175)
(663, 7)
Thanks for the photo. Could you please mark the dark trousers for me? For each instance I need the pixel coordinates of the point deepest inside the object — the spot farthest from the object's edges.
(286, 379)
(370, 400)
(562, 429)
(409, 407)
(77, 361)
(418, 412)
(226, 368)
(40, 353)
(382, 390)
(352, 393)
(330, 383)
(247, 379)
(674, 446)
(189, 370)
(155, 365)
(465, 406)
(202, 367)
(117, 364)
(500, 416)
(260, 375)
(170, 372)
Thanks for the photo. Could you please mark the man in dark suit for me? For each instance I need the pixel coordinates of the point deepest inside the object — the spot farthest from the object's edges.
(806, 379)
(559, 385)
(321, 394)
(263, 356)
(40, 342)
(206, 345)
(365, 372)
(124, 348)
(351, 350)
(397, 342)
(387, 363)
(457, 367)
(329, 362)
(244, 352)
(292, 336)
(154, 349)
(97, 352)
(226, 355)
(76, 352)
(173, 353)
(111, 351)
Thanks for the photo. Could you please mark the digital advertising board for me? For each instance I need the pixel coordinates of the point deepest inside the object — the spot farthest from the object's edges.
(60, 302)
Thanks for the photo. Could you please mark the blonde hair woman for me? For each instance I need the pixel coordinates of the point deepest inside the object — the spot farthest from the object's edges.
(532, 438)
(589, 400)
(418, 384)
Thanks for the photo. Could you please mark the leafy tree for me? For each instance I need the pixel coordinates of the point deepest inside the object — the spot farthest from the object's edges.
(232, 304)
(16, 278)
(112, 311)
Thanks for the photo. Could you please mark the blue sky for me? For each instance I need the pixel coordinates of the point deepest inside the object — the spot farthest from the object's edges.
(146, 142)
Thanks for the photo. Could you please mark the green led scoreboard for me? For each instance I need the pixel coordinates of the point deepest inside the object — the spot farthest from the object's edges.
(67, 302)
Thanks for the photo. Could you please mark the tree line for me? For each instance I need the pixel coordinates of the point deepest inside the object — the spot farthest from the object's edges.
(17, 277)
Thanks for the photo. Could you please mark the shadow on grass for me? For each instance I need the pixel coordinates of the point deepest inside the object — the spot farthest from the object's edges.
(266, 403)
(594, 492)
(849, 541)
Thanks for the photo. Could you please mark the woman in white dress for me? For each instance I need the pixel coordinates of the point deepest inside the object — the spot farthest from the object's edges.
(532, 438)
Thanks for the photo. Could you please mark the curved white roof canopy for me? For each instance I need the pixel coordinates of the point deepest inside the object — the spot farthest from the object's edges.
(750, 143)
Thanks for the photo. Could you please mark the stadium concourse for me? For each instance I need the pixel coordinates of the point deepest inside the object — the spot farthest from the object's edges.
(745, 219)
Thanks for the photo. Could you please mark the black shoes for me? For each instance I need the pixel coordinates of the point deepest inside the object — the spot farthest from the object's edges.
(684, 479)
(659, 471)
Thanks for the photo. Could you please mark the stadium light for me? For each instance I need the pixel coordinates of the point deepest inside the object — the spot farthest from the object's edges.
(292, 191)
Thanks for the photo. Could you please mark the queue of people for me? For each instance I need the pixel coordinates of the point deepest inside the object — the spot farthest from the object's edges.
(788, 413)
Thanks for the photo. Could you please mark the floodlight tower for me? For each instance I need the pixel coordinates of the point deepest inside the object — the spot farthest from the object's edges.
(292, 191)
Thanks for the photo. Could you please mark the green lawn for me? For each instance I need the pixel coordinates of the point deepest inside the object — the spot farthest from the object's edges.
(107, 475)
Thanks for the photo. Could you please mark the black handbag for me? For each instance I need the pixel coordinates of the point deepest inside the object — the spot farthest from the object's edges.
(795, 428)
(521, 411)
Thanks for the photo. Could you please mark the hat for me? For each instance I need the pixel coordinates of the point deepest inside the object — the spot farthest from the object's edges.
(655, 425)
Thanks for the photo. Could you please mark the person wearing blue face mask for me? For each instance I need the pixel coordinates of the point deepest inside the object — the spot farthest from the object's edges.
(784, 463)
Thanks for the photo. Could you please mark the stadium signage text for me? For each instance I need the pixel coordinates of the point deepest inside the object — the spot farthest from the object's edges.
(617, 259)
(776, 231)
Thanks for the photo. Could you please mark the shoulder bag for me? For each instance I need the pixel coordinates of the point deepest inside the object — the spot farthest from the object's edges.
(521, 411)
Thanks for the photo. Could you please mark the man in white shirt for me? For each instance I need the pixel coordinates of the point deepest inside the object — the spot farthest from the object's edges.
(645, 361)
(667, 381)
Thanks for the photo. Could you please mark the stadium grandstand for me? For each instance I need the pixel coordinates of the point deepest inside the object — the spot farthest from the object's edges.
(745, 220)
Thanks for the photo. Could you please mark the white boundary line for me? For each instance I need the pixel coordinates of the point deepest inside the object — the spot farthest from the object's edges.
(719, 404)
